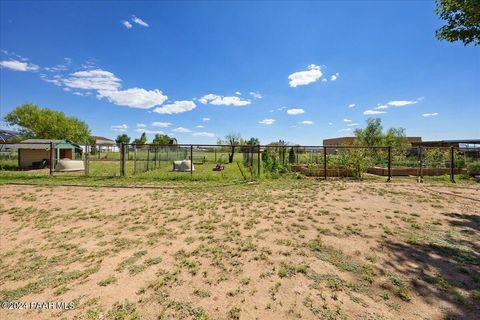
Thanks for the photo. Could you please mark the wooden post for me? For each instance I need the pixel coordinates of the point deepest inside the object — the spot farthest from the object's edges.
(52, 160)
(325, 163)
(191, 159)
(215, 149)
(389, 164)
(452, 164)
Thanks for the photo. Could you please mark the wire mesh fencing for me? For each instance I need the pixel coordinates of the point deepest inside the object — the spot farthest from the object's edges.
(239, 162)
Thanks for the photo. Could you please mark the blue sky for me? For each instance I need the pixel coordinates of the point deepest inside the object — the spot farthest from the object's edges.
(297, 71)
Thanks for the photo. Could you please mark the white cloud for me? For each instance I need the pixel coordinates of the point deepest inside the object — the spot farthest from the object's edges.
(324, 80)
(352, 124)
(307, 122)
(127, 24)
(330, 123)
(256, 95)
(176, 107)
(282, 108)
(161, 124)
(203, 134)
(302, 78)
(78, 93)
(134, 97)
(371, 112)
(141, 125)
(430, 114)
(345, 130)
(334, 77)
(347, 120)
(141, 130)
(223, 100)
(18, 65)
(97, 79)
(181, 130)
(205, 119)
(295, 111)
(352, 105)
(199, 126)
(267, 121)
(119, 127)
(238, 93)
(139, 21)
(401, 103)
(397, 103)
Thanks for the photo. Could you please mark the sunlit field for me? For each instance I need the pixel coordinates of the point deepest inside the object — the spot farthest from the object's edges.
(273, 249)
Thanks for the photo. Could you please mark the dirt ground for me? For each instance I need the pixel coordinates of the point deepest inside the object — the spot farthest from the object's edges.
(283, 249)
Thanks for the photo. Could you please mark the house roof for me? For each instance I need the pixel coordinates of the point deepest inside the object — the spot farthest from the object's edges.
(97, 138)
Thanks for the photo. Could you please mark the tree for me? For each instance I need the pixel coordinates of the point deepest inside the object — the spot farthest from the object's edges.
(122, 138)
(463, 20)
(164, 139)
(44, 123)
(232, 139)
(142, 140)
(372, 134)
(253, 141)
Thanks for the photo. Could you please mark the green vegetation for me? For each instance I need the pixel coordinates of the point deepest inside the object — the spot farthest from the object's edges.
(44, 123)
(462, 18)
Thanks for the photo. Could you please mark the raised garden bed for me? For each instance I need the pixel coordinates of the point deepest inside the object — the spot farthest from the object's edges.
(318, 171)
(405, 171)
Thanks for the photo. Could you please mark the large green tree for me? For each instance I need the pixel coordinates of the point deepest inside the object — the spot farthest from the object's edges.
(123, 138)
(163, 139)
(44, 123)
(373, 135)
(462, 18)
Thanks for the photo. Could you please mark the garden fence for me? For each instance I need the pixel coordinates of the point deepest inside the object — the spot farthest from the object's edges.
(242, 162)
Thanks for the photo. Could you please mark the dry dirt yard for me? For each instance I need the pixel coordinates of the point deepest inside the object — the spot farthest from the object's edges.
(286, 249)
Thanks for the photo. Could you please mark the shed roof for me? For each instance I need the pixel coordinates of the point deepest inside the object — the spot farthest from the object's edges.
(40, 144)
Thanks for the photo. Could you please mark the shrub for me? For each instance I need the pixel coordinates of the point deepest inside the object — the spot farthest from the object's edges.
(473, 168)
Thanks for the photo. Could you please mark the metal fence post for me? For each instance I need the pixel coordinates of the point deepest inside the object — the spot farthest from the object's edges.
(452, 164)
(122, 159)
(191, 160)
(325, 163)
(134, 158)
(258, 161)
(52, 160)
(421, 164)
(389, 164)
(87, 161)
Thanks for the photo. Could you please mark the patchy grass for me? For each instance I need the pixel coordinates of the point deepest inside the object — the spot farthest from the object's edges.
(283, 249)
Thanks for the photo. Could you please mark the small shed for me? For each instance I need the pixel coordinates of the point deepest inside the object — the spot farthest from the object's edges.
(37, 150)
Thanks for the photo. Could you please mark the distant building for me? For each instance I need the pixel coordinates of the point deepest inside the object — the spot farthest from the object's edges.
(348, 141)
(466, 143)
(104, 144)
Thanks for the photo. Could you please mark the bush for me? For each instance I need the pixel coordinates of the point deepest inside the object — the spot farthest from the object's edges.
(473, 168)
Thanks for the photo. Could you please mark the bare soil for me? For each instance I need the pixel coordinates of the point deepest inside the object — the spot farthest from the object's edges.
(281, 249)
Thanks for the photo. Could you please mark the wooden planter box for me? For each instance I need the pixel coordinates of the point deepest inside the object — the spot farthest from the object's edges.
(318, 171)
(405, 171)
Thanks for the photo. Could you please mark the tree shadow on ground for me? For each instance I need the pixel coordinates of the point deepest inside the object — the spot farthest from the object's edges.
(443, 272)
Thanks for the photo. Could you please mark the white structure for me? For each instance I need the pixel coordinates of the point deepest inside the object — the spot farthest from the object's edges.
(183, 166)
